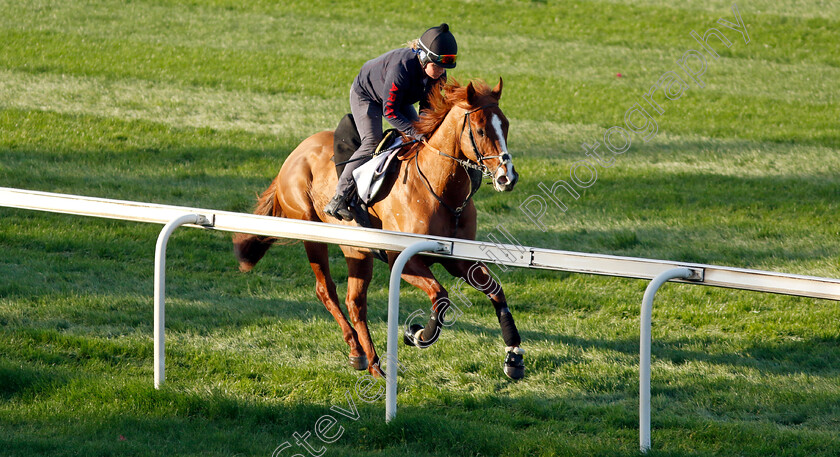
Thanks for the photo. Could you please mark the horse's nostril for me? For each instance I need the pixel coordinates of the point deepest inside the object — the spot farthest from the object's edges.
(502, 180)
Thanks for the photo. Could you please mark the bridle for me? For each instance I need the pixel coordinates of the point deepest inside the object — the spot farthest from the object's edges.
(480, 166)
(505, 157)
(467, 164)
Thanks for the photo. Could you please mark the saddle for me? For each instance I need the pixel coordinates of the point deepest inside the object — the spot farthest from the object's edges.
(369, 176)
(347, 140)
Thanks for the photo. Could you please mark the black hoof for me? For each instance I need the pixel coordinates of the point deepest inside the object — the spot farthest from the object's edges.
(360, 363)
(514, 366)
(408, 336)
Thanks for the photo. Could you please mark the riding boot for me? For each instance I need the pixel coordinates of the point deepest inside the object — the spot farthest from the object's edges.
(339, 208)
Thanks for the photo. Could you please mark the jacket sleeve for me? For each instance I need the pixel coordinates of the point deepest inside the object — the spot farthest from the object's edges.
(396, 83)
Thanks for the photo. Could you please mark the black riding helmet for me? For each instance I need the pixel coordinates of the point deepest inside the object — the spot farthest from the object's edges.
(438, 45)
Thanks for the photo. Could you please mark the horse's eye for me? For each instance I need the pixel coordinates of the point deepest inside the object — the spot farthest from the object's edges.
(480, 132)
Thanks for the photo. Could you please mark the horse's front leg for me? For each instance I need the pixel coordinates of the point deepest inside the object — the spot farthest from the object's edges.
(417, 273)
(478, 276)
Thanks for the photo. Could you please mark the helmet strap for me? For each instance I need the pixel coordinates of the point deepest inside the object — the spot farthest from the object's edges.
(424, 57)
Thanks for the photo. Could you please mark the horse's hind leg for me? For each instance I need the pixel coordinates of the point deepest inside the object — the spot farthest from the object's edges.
(360, 271)
(325, 290)
(478, 276)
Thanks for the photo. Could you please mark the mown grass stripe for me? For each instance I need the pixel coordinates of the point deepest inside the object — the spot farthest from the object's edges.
(287, 114)
(825, 9)
(294, 118)
(606, 23)
(734, 115)
(264, 71)
(573, 59)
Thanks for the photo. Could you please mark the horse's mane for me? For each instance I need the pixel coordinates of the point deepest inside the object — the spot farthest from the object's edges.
(441, 99)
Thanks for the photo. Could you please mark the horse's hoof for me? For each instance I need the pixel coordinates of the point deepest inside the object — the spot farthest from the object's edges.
(411, 336)
(377, 371)
(360, 363)
(514, 366)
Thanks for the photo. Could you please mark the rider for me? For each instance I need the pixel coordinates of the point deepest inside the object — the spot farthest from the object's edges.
(389, 85)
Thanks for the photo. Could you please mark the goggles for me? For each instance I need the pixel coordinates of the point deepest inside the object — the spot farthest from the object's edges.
(446, 59)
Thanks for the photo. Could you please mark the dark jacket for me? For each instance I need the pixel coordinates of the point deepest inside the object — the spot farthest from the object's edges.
(395, 80)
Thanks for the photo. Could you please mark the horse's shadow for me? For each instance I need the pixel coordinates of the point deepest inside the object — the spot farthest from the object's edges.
(815, 356)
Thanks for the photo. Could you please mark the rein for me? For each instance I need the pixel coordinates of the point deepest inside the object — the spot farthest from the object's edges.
(455, 211)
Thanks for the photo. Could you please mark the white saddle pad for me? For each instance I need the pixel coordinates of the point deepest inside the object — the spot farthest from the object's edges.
(369, 176)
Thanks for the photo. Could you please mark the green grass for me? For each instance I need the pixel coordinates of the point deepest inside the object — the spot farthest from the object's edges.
(197, 104)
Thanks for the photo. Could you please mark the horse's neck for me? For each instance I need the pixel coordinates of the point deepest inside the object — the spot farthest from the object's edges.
(446, 177)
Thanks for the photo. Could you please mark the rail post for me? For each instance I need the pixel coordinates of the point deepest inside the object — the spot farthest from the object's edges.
(394, 320)
(160, 288)
(644, 346)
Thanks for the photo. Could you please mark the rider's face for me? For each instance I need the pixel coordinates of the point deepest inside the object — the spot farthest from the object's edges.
(434, 70)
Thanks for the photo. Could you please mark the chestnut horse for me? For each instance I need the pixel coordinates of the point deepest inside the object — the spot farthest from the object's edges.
(430, 194)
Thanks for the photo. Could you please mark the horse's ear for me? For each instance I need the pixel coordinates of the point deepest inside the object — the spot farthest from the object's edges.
(471, 98)
(497, 91)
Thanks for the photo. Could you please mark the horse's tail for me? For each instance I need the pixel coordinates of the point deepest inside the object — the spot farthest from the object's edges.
(249, 249)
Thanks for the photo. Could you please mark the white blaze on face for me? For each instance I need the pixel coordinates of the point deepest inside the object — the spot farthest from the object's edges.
(506, 161)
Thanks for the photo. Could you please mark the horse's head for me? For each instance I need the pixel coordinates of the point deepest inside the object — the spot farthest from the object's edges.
(483, 136)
